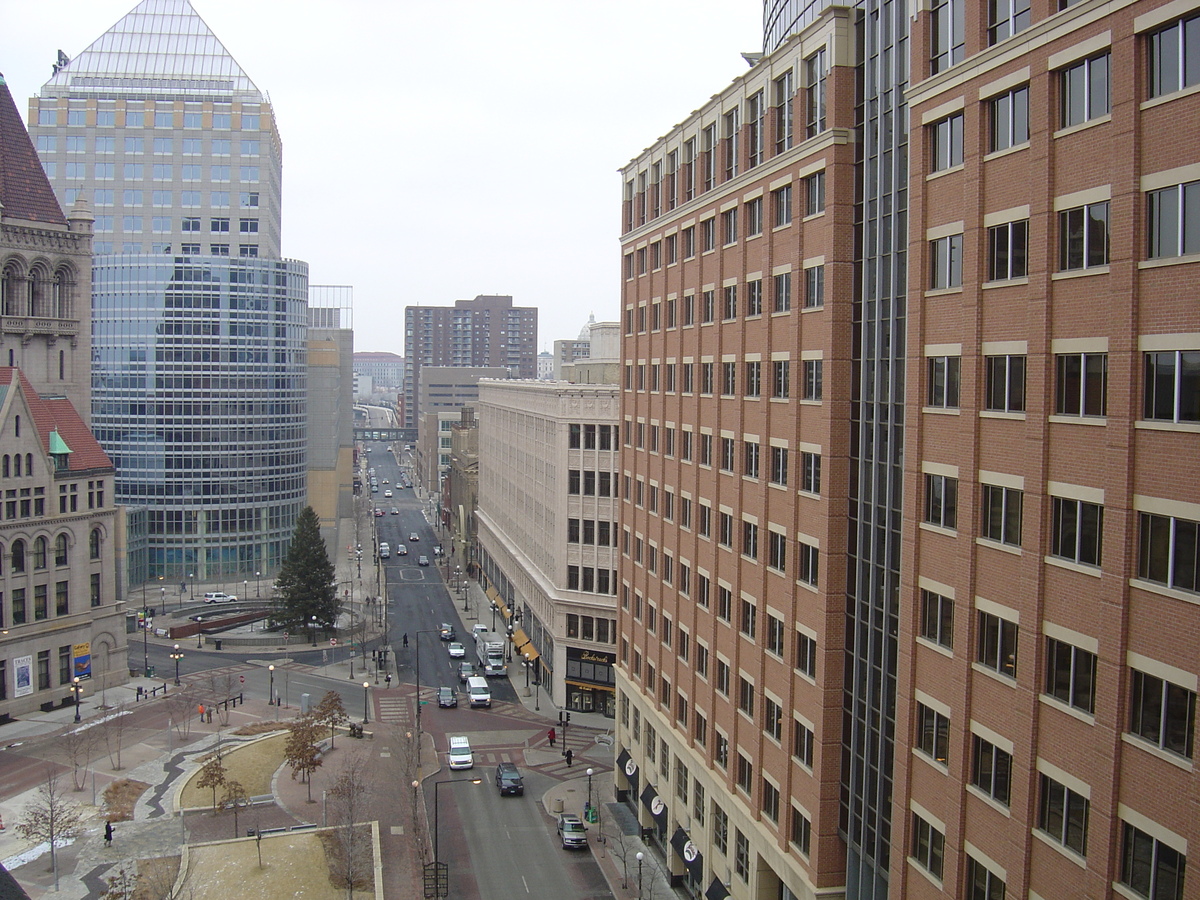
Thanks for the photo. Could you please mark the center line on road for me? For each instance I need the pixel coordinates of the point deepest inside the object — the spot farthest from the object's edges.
(526, 883)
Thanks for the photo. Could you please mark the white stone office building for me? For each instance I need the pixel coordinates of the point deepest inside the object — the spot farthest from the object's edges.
(547, 531)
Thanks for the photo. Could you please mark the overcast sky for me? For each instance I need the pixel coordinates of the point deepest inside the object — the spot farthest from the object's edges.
(438, 149)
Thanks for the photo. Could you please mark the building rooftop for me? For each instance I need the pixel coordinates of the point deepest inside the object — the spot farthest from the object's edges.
(57, 423)
(25, 191)
(160, 48)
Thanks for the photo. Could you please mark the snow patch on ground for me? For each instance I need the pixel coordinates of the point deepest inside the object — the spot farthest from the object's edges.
(33, 853)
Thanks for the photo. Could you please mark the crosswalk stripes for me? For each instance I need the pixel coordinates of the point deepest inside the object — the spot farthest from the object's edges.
(393, 710)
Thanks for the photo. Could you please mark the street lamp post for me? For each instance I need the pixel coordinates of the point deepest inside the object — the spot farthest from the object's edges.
(162, 600)
(199, 633)
(271, 670)
(257, 584)
(366, 694)
(145, 637)
(640, 856)
(192, 585)
(528, 663)
(494, 608)
(436, 785)
(590, 772)
(417, 669)
(77, 688)
(177, 655)
(314, 631)
(245, 588)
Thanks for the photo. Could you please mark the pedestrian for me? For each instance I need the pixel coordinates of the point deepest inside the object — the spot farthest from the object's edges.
(550, 735)
(201, 713)
(388, 679)
(405, 639)
(569, 755)
(108, 834)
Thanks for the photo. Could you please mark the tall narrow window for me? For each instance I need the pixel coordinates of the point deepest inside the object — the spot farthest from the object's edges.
(1006, 18)
(783, 112)
(947, 40)
(1085, 91)
(1175, 57)
(815, 75)
(755, 126)
(1010, 119)
(1083, 237)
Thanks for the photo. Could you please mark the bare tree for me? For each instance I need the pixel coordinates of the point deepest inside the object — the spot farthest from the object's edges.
(50, 817)
(350, 803)
(183, 705)
(212, 776)
(121, 886)
(331, 712)
(220, 687)
(234, 798)
(620, 845)
(112, 726)
(300, 752)
(76, 748)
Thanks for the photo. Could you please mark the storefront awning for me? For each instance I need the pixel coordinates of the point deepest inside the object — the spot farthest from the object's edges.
(529, 652)
(655, 805)
(492, 593)
(591, 687)
(519, 639)
(688, 852)
(716, 890)
(629, 767)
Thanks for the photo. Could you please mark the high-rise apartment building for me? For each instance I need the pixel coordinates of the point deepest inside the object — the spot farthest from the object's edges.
(62, 622)
(911, 299)
(199, 326)
(485, 331)
(547, 531)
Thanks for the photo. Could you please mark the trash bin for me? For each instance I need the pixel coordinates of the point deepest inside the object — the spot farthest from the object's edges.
(149, 671)
(218, 643)
(556, 805)
(592, 815)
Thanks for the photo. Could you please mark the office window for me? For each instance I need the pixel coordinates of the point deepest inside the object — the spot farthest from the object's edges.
(947, 40)
(754, 298)
(753, 379)
(729, 231)
(783, 112)
(813, 379)
(982, 883)
(1071, 675)
(941, 501)
(1172, 386)
(1170, 551)
(1077, 531)
(248, 226)
(1005, 383)
(991, 769)
(946, 143)
(1149, 867)
(750, 540)
(801, 831)
(708, 235)
(814, 194)
(1175, 57)
(783, 292)
(810, 472)
(1009, 119)
(814, 287)
(933, 734)
(1008, 251)
(1174, 220)
(1063, 814)
(1085, 90)
(1002, 514)
(741, 849)
(807, 561)
(751, 454)
(943, 381)
(772, 718)
(720, 825)
(779, 466)
(945, 258)
(806, 655)
(1083, 237)
(1006, 18)
(816, 74)
(781, 203)
(749, 619)
(731, 133)
(802, 743)
(997, 648)
(781, 379)
(707, 306)
(724, 603)
(928, 846)
(728, 379)
(937, 619)
(754, 217)
(1082, 384)
(1162, 713)
(746, 696)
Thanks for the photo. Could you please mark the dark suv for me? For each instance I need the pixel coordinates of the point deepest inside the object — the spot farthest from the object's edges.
(508, 779)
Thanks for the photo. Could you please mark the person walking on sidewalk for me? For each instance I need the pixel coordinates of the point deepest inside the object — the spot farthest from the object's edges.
(550, 735)
(569, 755)
(405, 639)
(108, 831)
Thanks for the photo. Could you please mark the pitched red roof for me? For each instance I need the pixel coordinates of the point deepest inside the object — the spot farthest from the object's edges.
(57, 414)
(25, 190)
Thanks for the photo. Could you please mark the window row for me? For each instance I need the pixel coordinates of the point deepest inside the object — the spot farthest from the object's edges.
(138, 117)
(136, 197)
(591, 531)
(589, 483)
(592, 628)
(106, 171)
(588, 436)
(39, 553)
(592, 580)
(751, 379)
(44, 681)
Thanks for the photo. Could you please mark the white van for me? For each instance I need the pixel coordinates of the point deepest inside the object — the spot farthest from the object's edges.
(478, 691)
(460, 753)
(385, 550)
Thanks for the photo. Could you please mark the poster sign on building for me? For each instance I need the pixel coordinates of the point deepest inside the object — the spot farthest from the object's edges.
(23, 672)
(83, 659)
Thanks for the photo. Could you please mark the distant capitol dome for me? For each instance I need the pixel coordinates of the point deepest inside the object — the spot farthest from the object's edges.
(585, 333)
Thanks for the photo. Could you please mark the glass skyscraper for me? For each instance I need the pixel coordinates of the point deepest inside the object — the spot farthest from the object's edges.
(199, 326)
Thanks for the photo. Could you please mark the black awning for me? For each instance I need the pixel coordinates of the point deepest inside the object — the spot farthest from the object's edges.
(626, 764)
(716, 890)
(688, 852)
(654, 803)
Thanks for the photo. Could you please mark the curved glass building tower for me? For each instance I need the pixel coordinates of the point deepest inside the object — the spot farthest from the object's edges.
(199, 327)
(198, 396)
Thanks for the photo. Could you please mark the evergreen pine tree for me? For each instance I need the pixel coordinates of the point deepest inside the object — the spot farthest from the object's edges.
(305, 585)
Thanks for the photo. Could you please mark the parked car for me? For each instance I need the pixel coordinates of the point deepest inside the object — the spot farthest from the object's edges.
(378, 511)
(422, 560)
(219, 597)
(447, 698)
(465, 670)
(385, 550)
(572, 832)
(457, 650)
(413, 536)
(446, 632)
(508, 780)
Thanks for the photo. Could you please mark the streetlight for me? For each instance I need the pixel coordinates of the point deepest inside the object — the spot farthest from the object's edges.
(366, 694)
(245, 588)
(145, 628)
(640, 856)
(417, 668)
(528, 663)
(162, 600)
(494, 608)
(590, 771)
(436, 785)
(177, 655)
(199, 633)
(314, 631)
(257, 576)
(76, 687)
(271, 670)
(192, 585)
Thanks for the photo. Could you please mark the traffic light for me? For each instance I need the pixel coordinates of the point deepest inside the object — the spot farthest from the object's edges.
(568, 717)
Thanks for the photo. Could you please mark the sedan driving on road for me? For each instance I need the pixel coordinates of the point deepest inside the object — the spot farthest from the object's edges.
(457, 650)
(447, 699)
(413, 536)
(422, 560)
(446, 632)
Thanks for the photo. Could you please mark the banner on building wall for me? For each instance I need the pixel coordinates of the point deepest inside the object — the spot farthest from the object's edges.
(83, 659)
(23, 673)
